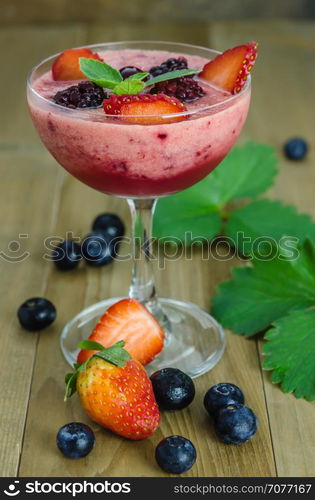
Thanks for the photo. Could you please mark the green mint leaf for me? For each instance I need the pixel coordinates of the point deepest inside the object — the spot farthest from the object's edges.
(138, 76)
(265, 218)
(246, 171)
(100, 73)
(129, 86)
(171, 75)
(290, 353)
(268, 290)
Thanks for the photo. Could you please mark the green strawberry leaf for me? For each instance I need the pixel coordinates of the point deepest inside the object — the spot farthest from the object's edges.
(246, 171)
(115, 354)
(129, 86)
(100, 73)
(267, 220)
(290, 353)
(91, 345)
(270, 289)
(197, 210)
(171, 75)
(187, 214)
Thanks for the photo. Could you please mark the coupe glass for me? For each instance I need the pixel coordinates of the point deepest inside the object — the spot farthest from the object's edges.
(141, 163)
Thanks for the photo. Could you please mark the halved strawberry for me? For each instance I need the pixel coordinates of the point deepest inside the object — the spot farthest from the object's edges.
(130, 321)
(230, 69)
(66, 66)
(145, 109)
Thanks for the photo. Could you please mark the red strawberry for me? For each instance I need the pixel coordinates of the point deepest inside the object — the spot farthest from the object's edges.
(116, 392)
(145, 109)
(230, 69)
(66, 66)
(130, 321)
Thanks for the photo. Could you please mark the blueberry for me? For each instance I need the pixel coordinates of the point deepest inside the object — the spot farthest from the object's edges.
(175, 454)
(127, 71)
(235, 424)
(110, 225)
(295, 149)
(36, 313)
(98, 249)
(67, 255)
(173, 389)
(222, 395)
(75, 440)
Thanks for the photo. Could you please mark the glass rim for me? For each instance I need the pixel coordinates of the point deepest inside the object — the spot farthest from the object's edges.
(81, 112)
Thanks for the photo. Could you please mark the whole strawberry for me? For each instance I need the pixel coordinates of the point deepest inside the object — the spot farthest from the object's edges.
(115, 391)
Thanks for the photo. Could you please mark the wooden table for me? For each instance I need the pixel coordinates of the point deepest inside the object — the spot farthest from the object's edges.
(39, 199)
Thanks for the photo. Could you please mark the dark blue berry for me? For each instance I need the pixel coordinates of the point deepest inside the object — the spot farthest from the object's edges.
(173, 389)
(175, 454)
(222, 395)
(296, 149)
(84, 95)
(109, 224)
(36, 313)
(186, 89)
(170, 64)
(99, 249)
(67, 255)
(235, 424)
(75, 440)
(127, 71)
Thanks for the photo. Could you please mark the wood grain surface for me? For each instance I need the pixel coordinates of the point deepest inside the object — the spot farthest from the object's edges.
(39, 199)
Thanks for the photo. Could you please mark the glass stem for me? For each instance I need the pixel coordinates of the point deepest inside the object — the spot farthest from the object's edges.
(142, 285)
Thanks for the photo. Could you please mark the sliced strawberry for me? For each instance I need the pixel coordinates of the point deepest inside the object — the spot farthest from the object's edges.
(230, 69)
(130, 321)
(145, 109)
(66, 66)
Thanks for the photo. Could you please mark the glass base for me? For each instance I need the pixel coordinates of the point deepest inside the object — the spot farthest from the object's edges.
(194, 341)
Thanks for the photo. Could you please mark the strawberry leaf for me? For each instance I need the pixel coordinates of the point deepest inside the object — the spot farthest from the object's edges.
(259, 295)
(266, 219)
(246, 171)
(290, 353)
(197, 210)
(114, 354)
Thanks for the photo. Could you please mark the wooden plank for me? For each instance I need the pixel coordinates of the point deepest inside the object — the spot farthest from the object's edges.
(30, 185)
(43, 11)
(27, 47)
(281, 108)
(32, 215)
(189, 32)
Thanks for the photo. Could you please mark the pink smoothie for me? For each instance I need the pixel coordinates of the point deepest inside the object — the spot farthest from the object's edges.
(136, 160)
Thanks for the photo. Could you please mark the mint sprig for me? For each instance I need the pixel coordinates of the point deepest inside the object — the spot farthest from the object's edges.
(108, 77)
(115, 354)
(100, 73)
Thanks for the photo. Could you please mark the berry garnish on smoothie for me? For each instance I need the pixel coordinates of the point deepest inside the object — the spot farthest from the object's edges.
(67, 67)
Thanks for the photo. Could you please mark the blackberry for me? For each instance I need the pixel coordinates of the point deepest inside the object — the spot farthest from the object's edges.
(186, 89)
(84, 95)
(171, 64)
